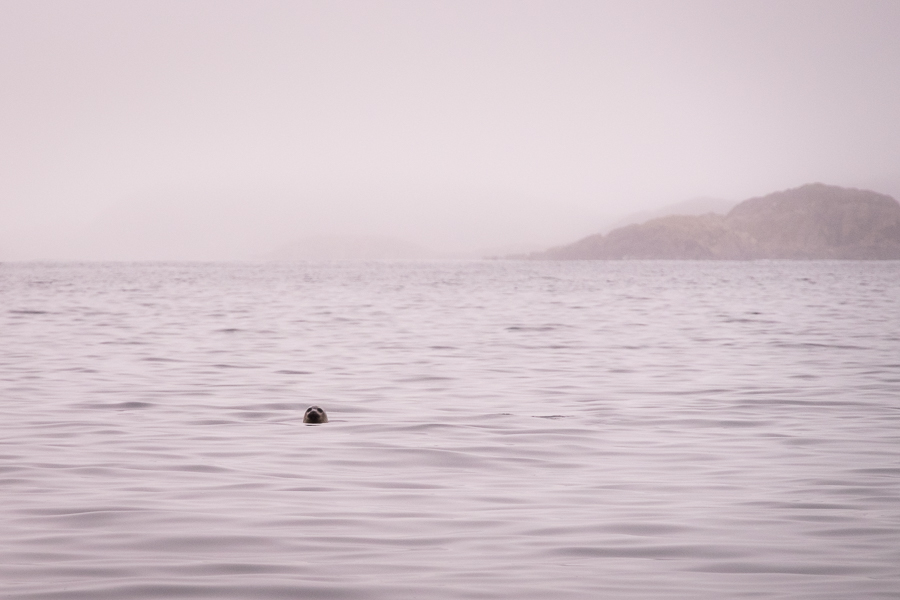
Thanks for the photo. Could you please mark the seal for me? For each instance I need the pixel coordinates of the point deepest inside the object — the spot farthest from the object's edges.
(315, 415)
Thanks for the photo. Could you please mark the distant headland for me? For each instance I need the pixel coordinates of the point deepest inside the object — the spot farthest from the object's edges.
(814, 221)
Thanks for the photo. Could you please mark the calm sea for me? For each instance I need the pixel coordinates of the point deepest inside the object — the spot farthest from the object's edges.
(522, 430)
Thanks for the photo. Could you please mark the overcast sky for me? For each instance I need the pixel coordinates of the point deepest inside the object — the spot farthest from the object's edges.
(223, 129)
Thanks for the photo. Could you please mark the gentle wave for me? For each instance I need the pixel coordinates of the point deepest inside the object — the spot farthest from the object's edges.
(497, 430)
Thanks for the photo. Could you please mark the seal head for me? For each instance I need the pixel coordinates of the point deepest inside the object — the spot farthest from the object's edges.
(315, 415)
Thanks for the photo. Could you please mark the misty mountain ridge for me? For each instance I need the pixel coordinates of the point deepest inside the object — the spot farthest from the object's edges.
(693, 206)
(814, 221)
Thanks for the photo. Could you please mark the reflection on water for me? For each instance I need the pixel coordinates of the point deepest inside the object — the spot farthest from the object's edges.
(497, 430)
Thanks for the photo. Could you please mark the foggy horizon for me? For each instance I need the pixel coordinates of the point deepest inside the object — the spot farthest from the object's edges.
(219, 218)
(230, 130)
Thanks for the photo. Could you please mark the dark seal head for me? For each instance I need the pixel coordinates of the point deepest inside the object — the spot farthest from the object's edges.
(314, 414)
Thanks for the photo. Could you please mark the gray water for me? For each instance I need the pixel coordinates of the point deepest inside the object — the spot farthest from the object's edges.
(498, 430)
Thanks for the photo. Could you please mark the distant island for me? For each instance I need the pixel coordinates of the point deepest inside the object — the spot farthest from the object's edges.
(814, 221)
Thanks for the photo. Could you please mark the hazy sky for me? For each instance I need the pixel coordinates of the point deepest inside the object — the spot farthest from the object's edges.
(222, 129)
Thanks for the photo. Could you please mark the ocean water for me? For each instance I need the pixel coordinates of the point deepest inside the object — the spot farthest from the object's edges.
(498, 430)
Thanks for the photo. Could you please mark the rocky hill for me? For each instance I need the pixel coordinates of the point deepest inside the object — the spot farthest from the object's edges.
(815, 221)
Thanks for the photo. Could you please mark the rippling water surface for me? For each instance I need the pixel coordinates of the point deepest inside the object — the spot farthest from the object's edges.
(498, 430)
